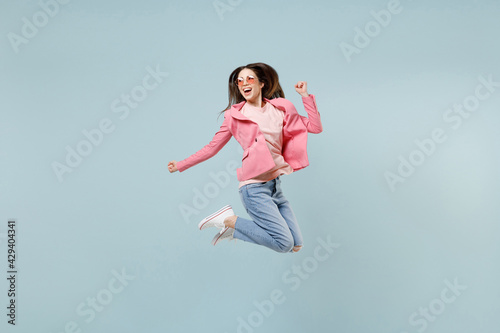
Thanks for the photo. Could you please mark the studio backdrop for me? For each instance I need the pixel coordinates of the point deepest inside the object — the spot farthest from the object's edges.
(398, 206)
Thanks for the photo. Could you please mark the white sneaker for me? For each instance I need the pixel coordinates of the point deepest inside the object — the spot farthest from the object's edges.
(217, 218)
(226, 233)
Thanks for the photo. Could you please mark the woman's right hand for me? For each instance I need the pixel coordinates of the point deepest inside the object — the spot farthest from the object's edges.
(172, 166)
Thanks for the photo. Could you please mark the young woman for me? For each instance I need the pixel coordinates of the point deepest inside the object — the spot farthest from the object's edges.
(273, 136)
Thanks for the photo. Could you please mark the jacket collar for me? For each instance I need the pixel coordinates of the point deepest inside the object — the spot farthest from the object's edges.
(235, 108)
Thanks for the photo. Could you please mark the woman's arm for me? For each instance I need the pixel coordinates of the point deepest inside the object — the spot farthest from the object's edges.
(313, 121)
(219, 140)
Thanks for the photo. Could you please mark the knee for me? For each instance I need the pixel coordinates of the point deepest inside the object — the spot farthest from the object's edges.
(285, 246)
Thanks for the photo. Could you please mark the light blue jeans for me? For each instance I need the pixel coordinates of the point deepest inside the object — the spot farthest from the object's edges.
(273, 222)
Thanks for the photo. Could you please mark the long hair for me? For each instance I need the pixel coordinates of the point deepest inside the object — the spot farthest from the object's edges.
(265, 74)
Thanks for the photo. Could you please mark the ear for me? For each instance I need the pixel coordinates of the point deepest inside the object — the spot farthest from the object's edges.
(261, 85)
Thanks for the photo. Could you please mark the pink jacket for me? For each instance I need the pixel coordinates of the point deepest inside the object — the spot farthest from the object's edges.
(256, 155)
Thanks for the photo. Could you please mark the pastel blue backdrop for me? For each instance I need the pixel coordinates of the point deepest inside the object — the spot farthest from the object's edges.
(402, 182)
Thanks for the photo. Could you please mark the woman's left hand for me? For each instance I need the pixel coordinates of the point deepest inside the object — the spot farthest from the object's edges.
(301, 88)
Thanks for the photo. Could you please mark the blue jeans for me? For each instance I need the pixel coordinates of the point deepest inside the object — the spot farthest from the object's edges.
(273, 222)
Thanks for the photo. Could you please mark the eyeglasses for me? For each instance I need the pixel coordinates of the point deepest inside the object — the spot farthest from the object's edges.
(240, 81)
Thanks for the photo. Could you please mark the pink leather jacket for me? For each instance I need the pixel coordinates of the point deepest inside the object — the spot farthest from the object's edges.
(256, 155)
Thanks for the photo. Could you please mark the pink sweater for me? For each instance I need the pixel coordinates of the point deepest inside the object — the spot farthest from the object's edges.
(270, 121)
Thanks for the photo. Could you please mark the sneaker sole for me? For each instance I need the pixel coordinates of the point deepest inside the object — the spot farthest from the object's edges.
(219, 235)
(224, 209)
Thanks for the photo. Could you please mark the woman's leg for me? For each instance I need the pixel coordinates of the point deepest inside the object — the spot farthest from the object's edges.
(287, 213)
(267, 227)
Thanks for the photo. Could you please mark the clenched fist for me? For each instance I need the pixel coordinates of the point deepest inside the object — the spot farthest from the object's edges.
(301, 88)
(172, 166)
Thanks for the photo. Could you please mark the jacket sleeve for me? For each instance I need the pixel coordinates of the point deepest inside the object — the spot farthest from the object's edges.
(219, 140)
(313, 122)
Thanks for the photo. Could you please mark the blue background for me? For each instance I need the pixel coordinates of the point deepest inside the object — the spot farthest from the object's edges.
(120, 209)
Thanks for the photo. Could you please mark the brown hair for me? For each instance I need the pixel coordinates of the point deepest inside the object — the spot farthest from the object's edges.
(265, 74)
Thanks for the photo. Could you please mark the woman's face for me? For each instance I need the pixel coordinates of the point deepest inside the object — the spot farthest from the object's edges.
(251, 91)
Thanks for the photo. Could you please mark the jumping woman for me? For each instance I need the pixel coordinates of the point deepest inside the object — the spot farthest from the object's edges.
(273, 136)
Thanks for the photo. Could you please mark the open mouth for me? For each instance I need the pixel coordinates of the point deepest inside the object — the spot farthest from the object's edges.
(247, 91)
